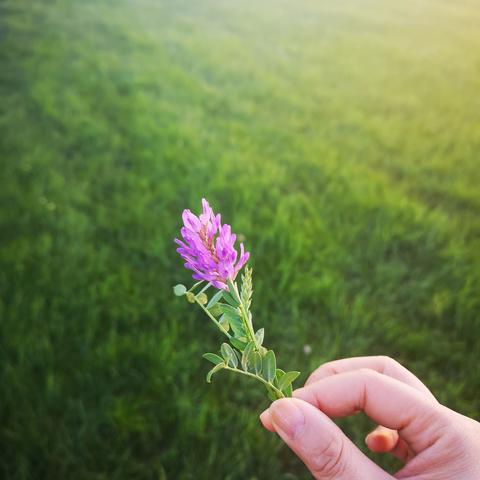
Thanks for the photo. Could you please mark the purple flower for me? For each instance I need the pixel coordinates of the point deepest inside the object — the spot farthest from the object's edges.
(208, 248)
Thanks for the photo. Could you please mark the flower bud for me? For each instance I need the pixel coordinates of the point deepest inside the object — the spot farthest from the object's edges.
(202, 298)
(190, 297)
(216, 310)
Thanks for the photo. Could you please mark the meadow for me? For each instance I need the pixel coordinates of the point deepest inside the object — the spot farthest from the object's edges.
(341, 139)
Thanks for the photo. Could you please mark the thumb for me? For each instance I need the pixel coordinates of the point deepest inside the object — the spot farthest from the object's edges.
(319, 443)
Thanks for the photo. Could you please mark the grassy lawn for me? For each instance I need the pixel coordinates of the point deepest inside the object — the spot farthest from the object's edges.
(341, 139)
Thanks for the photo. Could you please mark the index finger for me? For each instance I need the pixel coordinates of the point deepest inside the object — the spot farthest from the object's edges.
(384, 399)
(380, 363)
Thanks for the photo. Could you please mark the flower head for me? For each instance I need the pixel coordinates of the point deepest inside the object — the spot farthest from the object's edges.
(208, 247)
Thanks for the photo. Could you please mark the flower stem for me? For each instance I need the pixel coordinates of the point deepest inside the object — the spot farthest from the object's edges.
(277, 392)
(195, 285)
(207, 286)
(213, 319)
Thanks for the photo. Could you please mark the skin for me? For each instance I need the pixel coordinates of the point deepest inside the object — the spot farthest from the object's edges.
(434, 442)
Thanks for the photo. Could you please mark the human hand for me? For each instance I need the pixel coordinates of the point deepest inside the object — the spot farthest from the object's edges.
(435, 442)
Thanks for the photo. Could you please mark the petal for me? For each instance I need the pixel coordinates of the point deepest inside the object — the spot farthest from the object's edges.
(190, 220)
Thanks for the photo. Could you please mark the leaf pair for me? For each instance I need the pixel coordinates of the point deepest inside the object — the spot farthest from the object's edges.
(252, 360)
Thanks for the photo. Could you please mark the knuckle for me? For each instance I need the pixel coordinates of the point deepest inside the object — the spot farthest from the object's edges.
(368, 373)
(387, 361)
(328, 367)
(328, 461)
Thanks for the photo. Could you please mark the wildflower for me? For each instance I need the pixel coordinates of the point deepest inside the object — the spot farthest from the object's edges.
(208, 247)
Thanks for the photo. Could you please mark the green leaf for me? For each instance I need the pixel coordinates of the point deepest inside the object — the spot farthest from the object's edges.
(234, 319)
(257, 363)
(288, 390)
(179, 290)
(212, 357)
(259, 336)
(215, 299)
(233, 291)
(229, 299)
(279, 373)
(238, 343)
(229, 355)
(215, 369)
(270, 366)
(229, 310)
(271, 394)
(215, 310)
(238, 355)
(246, 355)
(224, 322)
(287, 379)
(238, 327)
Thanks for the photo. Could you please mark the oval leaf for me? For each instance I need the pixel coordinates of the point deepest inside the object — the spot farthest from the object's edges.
(259, 336)
(224, 322)
(269, 366)
(246, 355)
(212, 357)
(229, 355)
(215, 299)
(237, 327)
(215, 369)
(257, 363)
(238, 344)
(287, 379)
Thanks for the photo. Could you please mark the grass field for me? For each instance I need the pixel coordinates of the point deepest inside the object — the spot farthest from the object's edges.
(341, 139)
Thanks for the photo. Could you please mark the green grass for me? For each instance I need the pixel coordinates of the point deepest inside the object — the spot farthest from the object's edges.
(341, 138)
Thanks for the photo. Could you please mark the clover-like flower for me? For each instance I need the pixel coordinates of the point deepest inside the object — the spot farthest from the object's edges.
(208, 247)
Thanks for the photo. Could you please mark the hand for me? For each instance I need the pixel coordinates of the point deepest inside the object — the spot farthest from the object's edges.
(435, 442)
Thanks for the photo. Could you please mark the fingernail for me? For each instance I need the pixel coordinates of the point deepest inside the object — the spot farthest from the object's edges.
(378, 442)
(264, 416)
(287, 416)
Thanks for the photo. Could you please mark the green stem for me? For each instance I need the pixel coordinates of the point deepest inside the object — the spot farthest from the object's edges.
(208, 285)
(278, 392)
(195, 285)
(213, 319)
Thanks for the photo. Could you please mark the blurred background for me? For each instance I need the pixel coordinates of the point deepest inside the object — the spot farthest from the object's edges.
(341, 139)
